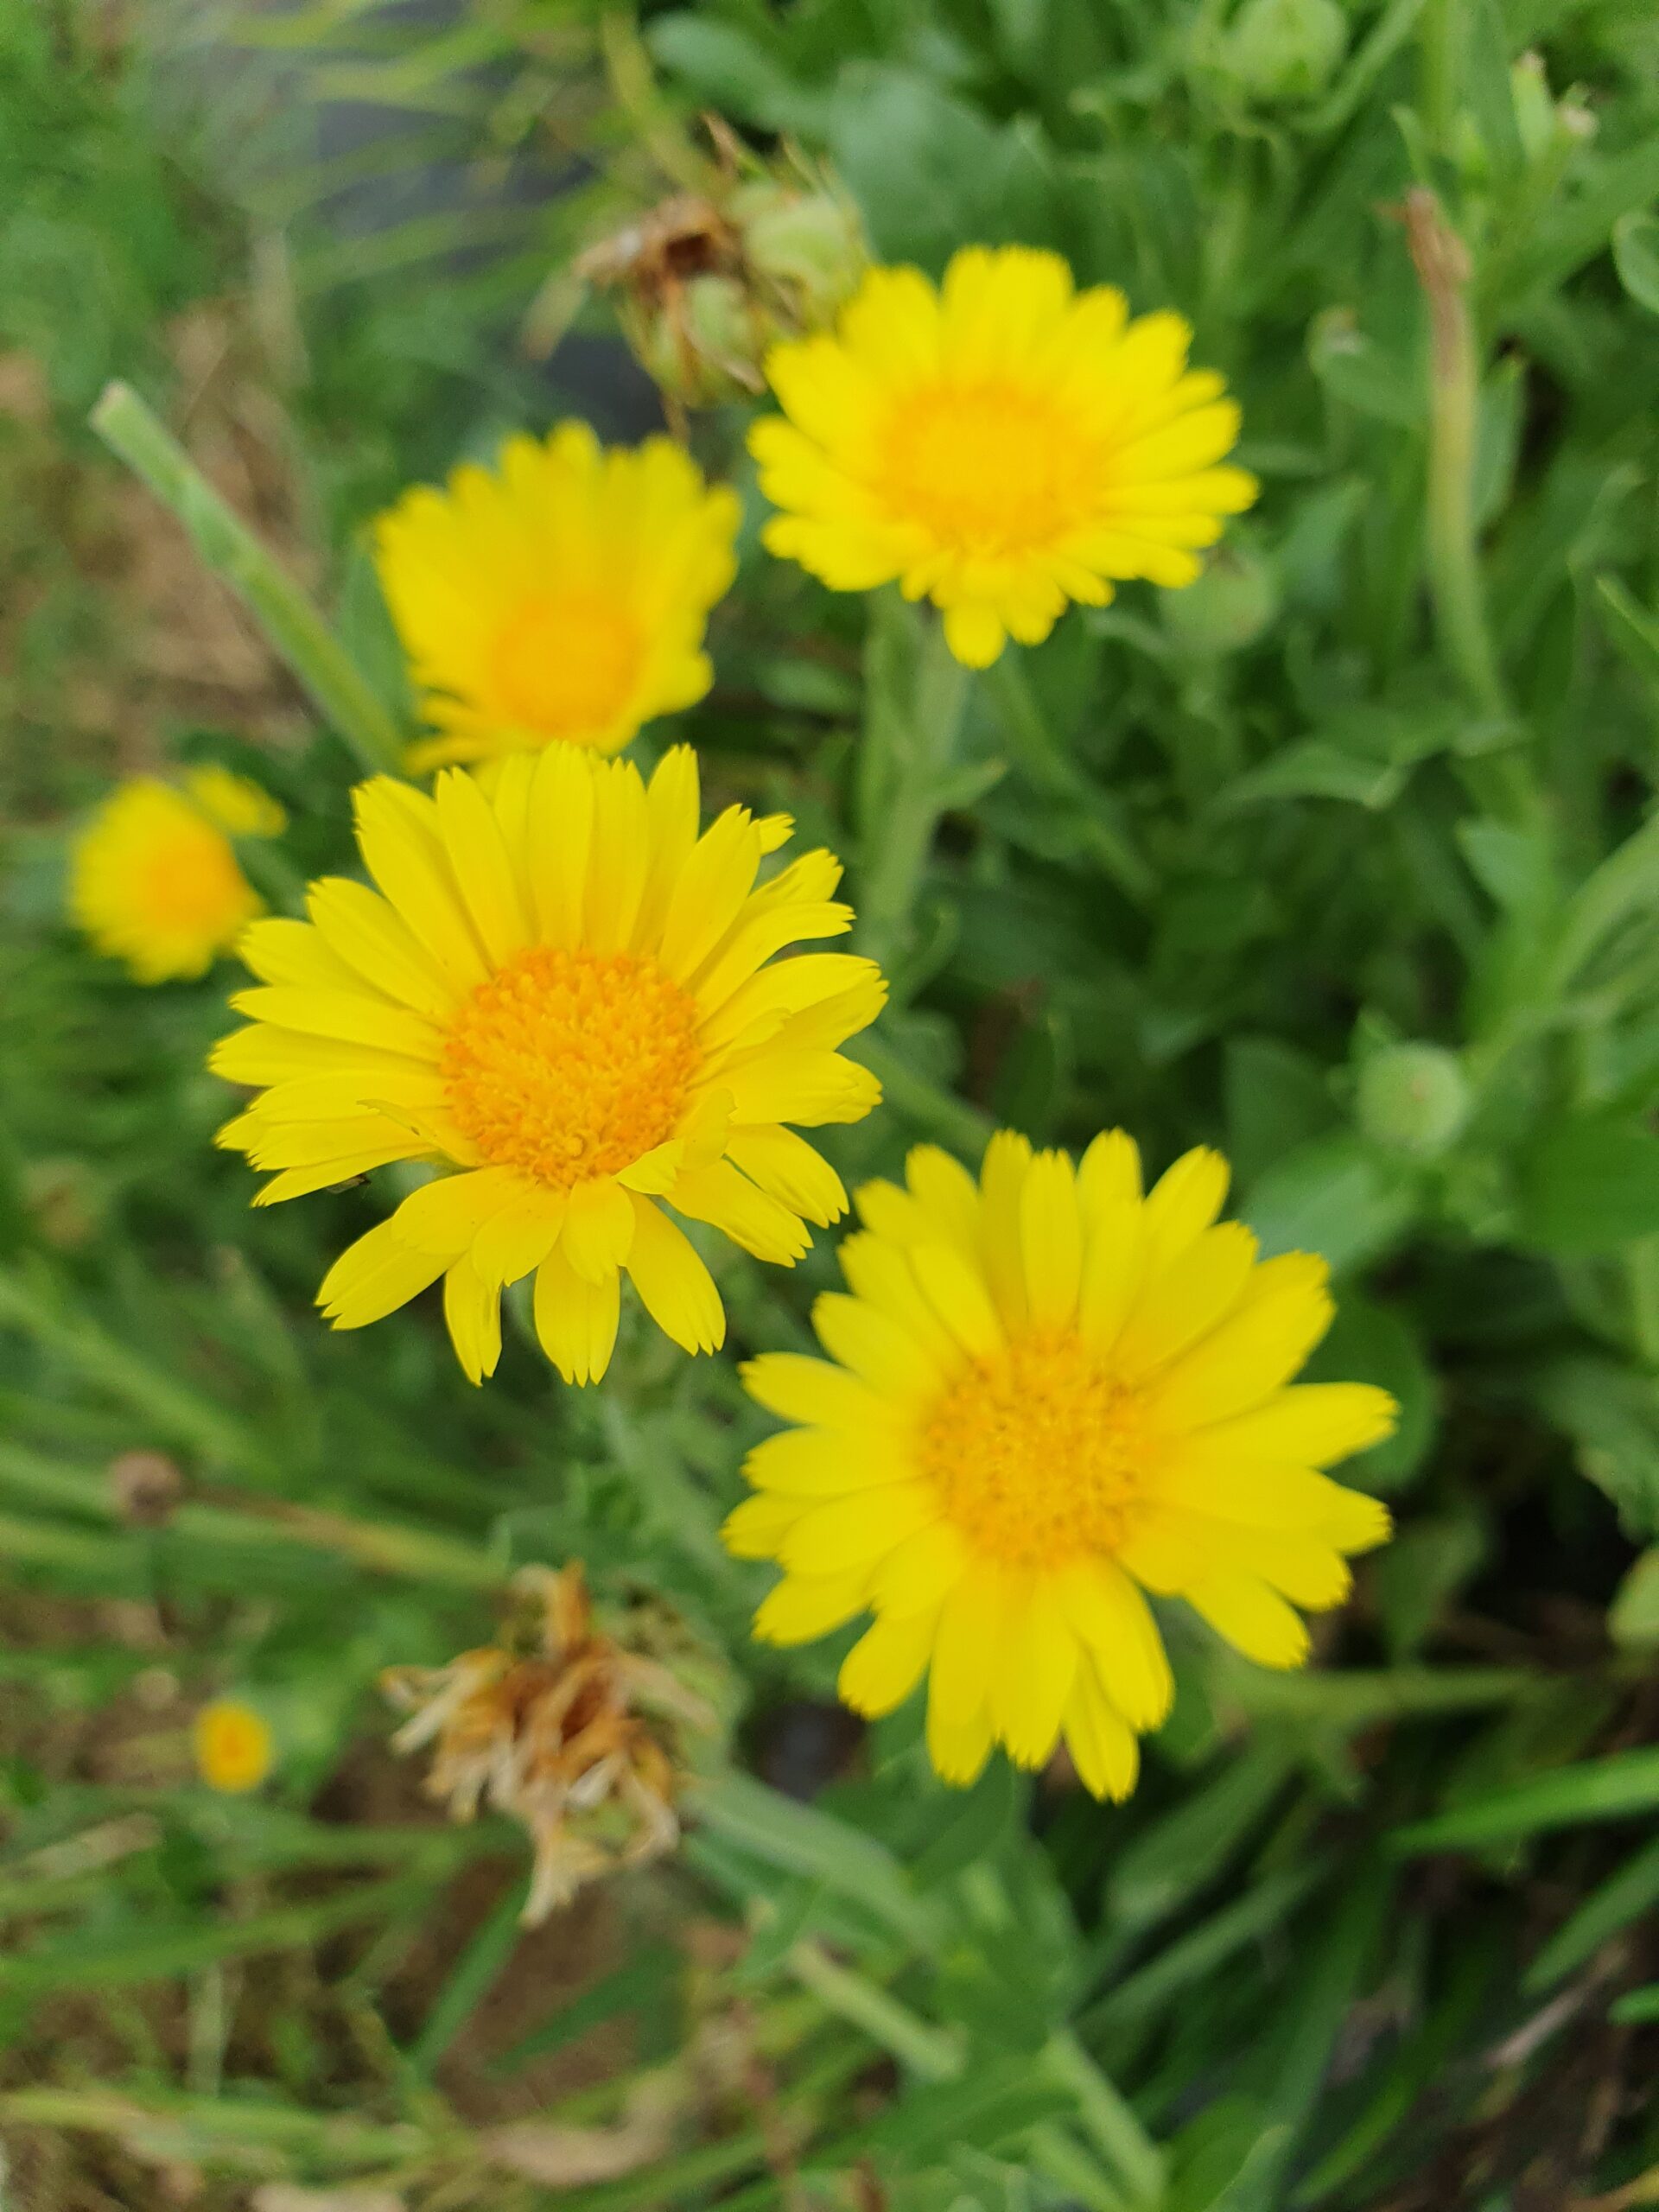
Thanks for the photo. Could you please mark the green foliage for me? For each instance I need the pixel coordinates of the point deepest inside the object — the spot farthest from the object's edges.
(1343, 859)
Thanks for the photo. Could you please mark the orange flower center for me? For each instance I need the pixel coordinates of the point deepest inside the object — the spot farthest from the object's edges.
(1038, 1456)
(570, 1065)
(988, 468)
(566, 664)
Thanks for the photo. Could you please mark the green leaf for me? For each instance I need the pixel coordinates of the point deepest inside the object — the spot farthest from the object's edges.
(1636, 256)
(1613, 1904)
(1590, 1185)
(1334, 1195)
(1633, 1616)
(1618, 1787)
(1632, 630)
(1612, 1413)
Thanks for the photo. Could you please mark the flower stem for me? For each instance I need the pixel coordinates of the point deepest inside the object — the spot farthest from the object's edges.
(1442, 264)
(1050, 769)
(916, 693)
(296, 632)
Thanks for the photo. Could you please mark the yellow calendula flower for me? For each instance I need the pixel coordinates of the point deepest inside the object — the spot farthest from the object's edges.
(999, 445)
(563, 594)
(1047, 1395)
(566, 995)
(233, 1746)
(153, 879)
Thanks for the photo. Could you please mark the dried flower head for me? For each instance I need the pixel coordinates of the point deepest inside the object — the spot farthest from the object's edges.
(564, 1729)
(707, 282)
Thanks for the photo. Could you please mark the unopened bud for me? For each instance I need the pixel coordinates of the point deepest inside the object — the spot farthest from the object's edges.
(1279, 52)
(1229, 607)
(1412, 1099)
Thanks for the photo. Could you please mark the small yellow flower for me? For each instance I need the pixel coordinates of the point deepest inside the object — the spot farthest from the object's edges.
(999, 446)
(233, 1746)
(1049, 1394)
(153, 879)
(563, 596)
(566, 995)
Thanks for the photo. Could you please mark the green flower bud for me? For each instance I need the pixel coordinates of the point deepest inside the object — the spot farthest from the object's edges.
(1229, 607)
(1412, 1099)
(810, 245)
(707, 286)
(1278, 52)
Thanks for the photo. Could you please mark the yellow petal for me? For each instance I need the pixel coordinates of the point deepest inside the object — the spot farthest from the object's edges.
(857, 1531)
(675, 1288)
(1181, 1203)
(1242, 1609)
(1285, 1311)
(788, 1169)
(1109, 1613)
(756, 1529)
(819, 1463)
(1103, 1746)
(1051, 1240)
(1002, 1182)
(812, 1390)
(575, 1319)
(958, 1749)
(472, 1308)
(804, 1607)
(1313, 1424)
(374, 1277)
(966, 1649)
(730, 1202)
(1186, 1298)
(1031, 1685)
(885, 1664)
(598, 1230)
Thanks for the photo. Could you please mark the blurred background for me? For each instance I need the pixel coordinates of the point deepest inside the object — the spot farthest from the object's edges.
(1272, 862)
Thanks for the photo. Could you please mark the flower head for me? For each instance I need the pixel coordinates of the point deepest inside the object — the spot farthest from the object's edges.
(563, 594)
(153, 879)
(564, 1729)
(999, 445)
(233, 1746)
(707, 285)
(1047, 1394)
(567, 997)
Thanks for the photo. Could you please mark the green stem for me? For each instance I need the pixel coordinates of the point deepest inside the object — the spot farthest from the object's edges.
(1442, 30)
(1107, 2118)
(32, 1305)
(296, 632)
(953, 1120)
(1442, 264)
(1044, 763)
(918, 691)
(932, 2054)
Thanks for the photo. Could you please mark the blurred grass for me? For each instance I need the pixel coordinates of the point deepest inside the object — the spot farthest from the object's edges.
(1377, 1937)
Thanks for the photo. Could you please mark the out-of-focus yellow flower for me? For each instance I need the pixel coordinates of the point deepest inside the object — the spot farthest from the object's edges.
(154, 880)
(1001, 445)
(1048, 1394)
(563, 594)
(565, 995)
(233, 1746)
(569, 1730)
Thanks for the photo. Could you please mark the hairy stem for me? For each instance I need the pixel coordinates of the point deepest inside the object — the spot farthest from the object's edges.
(295, 630)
